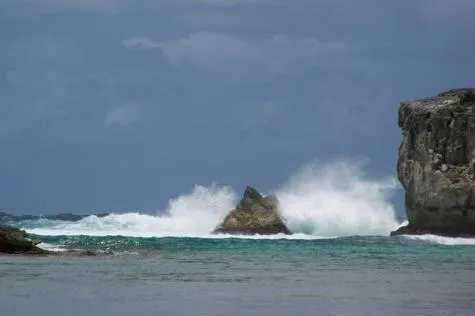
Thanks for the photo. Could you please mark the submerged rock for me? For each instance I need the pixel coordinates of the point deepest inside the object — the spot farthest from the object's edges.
(15, 241)
(254, 214)
(436, 164)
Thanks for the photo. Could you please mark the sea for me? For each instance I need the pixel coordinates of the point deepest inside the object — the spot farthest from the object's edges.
(339, 261)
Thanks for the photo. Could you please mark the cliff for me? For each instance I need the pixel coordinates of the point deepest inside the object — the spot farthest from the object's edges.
(436, 163)
(254, 214)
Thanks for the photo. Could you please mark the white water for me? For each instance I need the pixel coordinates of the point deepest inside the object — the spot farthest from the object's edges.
(338, 200)
(317, 202)
(193, 214)
(450, 241)
(51, 247)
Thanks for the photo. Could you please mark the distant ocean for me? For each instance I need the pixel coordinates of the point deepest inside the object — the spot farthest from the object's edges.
(340, 261)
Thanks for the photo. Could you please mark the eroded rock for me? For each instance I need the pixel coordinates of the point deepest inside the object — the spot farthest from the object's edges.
(436, 163)
(254, 214)
(15, 241)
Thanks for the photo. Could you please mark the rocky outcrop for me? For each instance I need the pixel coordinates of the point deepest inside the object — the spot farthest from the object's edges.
(254, 214)
(16, 241)
(436, 164)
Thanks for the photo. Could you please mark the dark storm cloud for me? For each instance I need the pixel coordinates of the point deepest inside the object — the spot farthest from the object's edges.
(120, 104)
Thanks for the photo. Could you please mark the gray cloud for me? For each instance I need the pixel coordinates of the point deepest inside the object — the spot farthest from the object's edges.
(348, 9)
(140, 43)
(24, 9)
(39, 47)
(237, 82)
(32, 100)
(444, 11)
(263, 115)
(222, 53)
(125, 115)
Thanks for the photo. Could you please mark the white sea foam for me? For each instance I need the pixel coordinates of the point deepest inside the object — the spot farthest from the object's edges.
(319, 201)
(403, 223)
(193, 214)
(338, 200)
(451, 241)
(51, 247)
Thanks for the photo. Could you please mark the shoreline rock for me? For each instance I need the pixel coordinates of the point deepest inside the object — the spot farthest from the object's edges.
(436, 164)
(409, 230)
(254, 214)
(15, 241)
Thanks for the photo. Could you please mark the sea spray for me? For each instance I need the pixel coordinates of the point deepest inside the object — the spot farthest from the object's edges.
(330, 200)
(338, 199)
(193, 214)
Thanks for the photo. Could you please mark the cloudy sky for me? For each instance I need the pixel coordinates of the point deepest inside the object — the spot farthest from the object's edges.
(118, 105)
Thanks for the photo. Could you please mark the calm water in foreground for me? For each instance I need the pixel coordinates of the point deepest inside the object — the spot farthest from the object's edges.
(199, 276)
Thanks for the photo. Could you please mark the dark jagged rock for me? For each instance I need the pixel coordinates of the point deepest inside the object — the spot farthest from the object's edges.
(254, 214)
(413, 230)
(15, 241)
(436, 164)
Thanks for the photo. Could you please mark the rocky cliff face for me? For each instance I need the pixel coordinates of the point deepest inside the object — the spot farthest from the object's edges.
(436, 163)
(254, 214)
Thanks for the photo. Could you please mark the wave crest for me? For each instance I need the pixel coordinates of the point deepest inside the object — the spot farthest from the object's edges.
(330, 200)
(338, 200)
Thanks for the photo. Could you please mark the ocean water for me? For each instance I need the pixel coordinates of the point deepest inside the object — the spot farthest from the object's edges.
(340, 261)
(234, 276)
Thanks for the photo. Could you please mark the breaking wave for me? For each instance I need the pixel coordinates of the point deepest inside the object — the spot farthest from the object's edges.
(441, 240)
(319, 201)
(338, 200)
(193, 214)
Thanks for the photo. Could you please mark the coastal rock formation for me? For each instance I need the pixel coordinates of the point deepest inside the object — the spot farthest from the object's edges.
(436, 164)
(16, 241)
(254, 214)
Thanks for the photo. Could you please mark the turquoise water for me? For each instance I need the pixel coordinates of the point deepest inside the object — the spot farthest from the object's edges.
(339, 261)
(236, 276)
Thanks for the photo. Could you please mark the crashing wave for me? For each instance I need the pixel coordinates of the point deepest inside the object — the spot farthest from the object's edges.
(332, 200)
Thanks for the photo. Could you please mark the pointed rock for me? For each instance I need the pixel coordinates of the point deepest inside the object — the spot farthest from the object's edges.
(254, 214)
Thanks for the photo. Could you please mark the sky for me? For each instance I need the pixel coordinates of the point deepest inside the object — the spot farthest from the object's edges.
(119, 105)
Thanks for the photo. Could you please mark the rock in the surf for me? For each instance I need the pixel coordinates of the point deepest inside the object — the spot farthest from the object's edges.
(254, 214)
(436, 164)
(15, 241)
